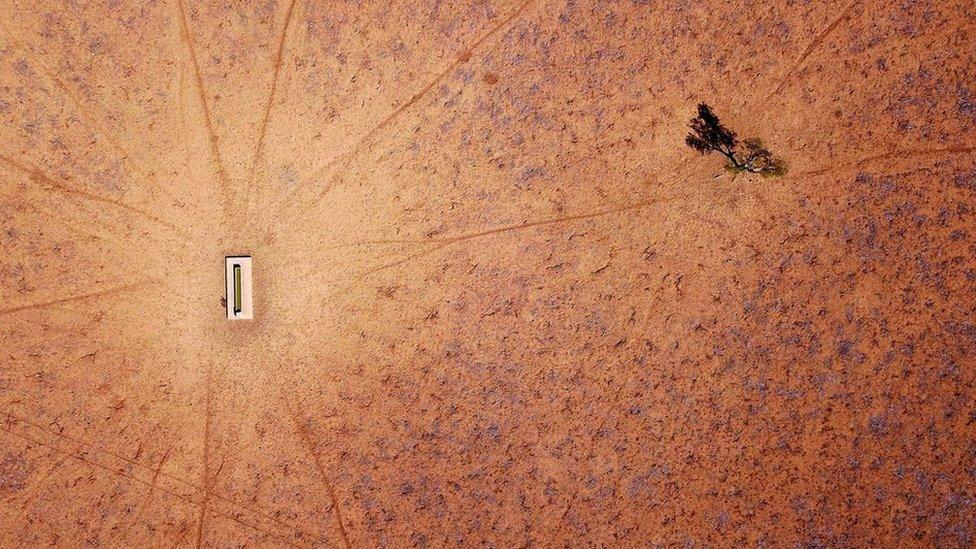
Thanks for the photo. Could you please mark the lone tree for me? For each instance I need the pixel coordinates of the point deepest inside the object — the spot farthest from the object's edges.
(708, 134)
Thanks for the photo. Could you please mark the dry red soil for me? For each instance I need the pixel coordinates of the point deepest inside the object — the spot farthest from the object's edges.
(498, 302)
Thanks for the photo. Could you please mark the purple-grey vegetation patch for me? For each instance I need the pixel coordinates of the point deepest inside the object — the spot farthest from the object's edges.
(13, 473)
(966, 180)
(528, 174)
(644, 484)
(966, 101)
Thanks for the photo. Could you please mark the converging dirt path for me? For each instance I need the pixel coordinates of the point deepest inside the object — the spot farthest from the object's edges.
(497, 301)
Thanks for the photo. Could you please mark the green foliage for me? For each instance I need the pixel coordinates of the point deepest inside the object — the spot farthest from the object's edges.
(708, 134)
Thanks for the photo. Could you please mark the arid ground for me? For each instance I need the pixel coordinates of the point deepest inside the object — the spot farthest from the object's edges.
(498, 302)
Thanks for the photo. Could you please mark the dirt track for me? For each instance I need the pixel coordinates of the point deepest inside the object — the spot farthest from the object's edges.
(497, 301)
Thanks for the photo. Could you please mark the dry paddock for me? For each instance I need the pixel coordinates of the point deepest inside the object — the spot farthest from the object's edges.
(498, 302)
